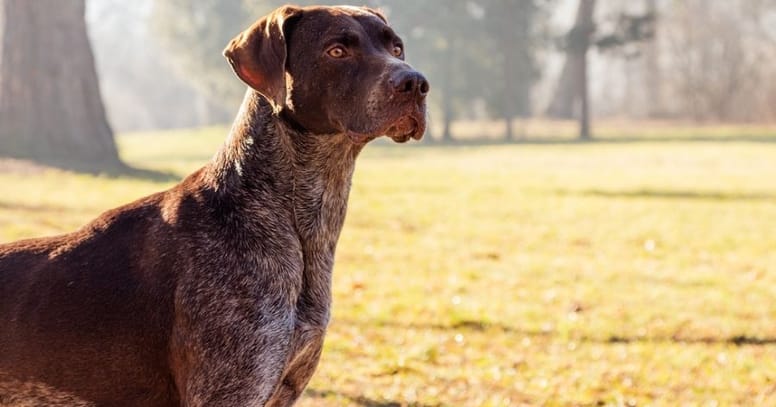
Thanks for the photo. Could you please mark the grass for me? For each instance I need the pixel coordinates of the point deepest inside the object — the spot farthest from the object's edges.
(639, 273)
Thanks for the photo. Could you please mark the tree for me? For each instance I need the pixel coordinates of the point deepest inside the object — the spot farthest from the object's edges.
(722, 70)
(510, 24)
(194, 33)
(653, 80)
(50, 105)
(572, 89)
(140, 88)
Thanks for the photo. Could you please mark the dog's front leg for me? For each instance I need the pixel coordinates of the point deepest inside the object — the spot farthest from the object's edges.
(307, 351)
(234, 364)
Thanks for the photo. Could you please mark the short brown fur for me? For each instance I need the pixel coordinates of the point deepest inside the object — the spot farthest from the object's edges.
(217, 292)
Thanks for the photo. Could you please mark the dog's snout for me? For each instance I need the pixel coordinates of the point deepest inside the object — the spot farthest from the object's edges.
(410, 82)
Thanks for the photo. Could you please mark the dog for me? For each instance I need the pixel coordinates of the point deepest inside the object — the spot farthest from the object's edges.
(217, 292)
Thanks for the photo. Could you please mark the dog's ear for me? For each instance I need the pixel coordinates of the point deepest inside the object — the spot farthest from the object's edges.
(258, 55)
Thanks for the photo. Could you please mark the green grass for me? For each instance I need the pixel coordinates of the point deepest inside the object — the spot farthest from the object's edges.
(639, 273)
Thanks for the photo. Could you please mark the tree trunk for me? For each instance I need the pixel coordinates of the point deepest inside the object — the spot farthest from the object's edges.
(562, 103)
(50, 105)
(447, 90)
(447, 135)
(584, 99)
(581, 44)
(571, 90)
(427, 137)
(509, 90)
(653, 80)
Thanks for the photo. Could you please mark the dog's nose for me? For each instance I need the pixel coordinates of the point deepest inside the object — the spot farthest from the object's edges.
(410, 82)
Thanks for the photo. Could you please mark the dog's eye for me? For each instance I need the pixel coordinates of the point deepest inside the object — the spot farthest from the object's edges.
(336, 52)
(398, 50)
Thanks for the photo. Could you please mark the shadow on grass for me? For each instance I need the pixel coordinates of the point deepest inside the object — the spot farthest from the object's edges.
(468, 324)
(110, 169)
(674, 194)
(145, 174)
(361, 400)
(120, 171)
(737, 340)
(482, 326)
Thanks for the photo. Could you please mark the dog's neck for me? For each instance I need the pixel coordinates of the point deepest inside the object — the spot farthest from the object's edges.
(266, 160)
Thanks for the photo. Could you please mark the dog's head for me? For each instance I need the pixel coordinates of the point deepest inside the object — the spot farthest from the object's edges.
(333, 70)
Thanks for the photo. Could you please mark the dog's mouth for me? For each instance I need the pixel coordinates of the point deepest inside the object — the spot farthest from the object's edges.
(406, 128)
(401, 130)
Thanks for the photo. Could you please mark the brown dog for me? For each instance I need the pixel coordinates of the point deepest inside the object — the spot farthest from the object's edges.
(217, 291)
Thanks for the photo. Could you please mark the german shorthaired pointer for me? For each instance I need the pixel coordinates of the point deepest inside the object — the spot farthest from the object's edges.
(217, 292)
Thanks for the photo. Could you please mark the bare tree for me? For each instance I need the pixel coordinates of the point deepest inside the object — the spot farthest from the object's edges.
(50, 105)
(718, 70)
(653, 80)
(572, 89)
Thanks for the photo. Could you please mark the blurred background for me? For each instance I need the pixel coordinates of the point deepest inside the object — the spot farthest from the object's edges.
(589, 220)
(695, 61)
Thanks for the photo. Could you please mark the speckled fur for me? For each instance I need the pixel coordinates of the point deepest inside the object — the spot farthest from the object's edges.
(216, 292)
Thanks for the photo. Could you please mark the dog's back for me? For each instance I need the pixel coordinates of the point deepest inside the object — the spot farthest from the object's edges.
(75, 309)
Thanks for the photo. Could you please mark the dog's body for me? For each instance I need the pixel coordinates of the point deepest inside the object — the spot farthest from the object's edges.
(217, 291)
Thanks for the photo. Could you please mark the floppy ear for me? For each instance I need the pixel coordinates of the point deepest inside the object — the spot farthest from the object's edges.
(258, 55)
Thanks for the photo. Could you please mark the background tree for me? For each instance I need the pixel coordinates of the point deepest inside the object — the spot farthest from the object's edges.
(653, 83)
(482, 57)
(474, 51)
(572, 89)
(511, 28)
(571, 97)
(50, 105)
(722, 69)
(194, 33)
(140, 86)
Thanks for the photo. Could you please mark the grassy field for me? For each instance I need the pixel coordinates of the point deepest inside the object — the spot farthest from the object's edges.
(613, 273)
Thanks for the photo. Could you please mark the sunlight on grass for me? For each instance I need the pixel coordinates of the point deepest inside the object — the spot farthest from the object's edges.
(591, 274)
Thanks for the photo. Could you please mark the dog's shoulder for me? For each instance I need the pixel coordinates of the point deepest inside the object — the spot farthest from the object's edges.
(107, 248)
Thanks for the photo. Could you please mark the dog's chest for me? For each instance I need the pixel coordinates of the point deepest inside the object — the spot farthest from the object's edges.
(319, 219)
